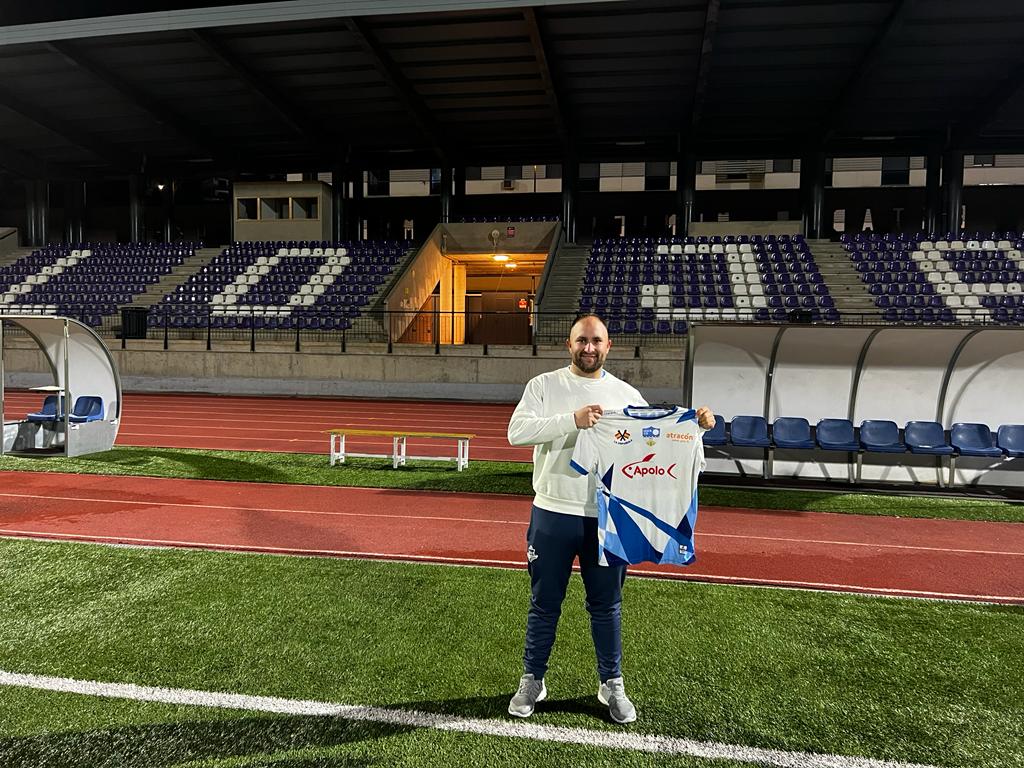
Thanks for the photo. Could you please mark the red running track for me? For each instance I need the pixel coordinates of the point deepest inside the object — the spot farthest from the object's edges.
(296, 425)
(917, 558)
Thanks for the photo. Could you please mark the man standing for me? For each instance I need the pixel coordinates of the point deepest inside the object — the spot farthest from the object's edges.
(563, 523)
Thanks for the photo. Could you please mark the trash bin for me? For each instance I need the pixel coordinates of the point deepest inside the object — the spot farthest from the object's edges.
(134, 322)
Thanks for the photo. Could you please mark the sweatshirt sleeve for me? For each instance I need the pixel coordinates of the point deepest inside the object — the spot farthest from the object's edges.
(528, 427)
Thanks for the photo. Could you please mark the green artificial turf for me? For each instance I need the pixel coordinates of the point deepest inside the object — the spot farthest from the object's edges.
(479, 477)
(896, 679)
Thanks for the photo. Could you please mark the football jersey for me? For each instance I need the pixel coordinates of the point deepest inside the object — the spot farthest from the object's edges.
(646, 461)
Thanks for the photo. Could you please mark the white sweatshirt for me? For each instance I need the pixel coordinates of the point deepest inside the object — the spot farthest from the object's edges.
(544, 419)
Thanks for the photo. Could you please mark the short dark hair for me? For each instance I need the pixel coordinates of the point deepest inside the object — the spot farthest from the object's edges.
(584, 316)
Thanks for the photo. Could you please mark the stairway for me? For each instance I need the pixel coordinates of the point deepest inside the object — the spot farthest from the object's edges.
(561, 293)
(168, 283)
(853, 301)
(12, 256)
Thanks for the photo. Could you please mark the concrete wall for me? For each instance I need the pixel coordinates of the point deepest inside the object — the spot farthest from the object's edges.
(417, 283)
(283, 229)
(744, 228)
(530, 237)
(8, 239)
(412, 371)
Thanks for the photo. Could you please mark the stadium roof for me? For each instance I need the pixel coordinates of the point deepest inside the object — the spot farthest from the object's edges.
(284, 86)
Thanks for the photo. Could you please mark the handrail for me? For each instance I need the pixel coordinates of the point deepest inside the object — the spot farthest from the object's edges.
(556, 243)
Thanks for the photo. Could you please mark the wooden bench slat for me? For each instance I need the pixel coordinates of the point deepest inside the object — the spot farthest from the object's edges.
(398, 433)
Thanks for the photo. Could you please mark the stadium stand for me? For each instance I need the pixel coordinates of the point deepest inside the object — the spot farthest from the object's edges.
(86, 280)
(275, 285)
(954, 277)
(657, 286)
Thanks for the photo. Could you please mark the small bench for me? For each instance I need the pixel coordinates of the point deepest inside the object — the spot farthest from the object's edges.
(398, 453)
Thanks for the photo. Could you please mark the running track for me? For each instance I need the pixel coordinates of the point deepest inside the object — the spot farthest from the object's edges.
(296, 425)
(924, 558)
(919, 558)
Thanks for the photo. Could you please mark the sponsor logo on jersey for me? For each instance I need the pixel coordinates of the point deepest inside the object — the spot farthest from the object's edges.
(651, 434)
(622, 437)
(681, 437)
(647, 467)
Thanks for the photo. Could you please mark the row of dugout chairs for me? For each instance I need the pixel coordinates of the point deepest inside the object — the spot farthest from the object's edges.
(87, 408)
(873, 436)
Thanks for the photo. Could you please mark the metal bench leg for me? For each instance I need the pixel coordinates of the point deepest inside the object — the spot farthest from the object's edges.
(860, 462)
(952, 471)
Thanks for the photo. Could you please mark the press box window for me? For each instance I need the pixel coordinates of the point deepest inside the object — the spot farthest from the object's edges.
(247, 208)
(273, 208)
(305, 208)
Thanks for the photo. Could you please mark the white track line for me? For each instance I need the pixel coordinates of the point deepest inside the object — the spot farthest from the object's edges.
(695, 576)
(620, 739)
(394, 516)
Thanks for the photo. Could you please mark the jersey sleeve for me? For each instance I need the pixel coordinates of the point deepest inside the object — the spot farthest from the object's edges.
(584, 455)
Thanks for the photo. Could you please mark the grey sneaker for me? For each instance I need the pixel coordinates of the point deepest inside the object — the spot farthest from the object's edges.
(530, 692)
(613, 693)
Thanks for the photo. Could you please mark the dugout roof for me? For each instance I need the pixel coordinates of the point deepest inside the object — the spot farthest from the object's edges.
(176, 86)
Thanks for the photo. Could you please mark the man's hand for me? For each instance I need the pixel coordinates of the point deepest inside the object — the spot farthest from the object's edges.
(587, 416)
(705, 418)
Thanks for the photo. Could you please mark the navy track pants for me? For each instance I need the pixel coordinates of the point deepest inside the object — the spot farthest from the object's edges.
(553, 541)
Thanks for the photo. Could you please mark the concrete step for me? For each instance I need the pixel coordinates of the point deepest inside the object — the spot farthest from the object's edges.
(177, 276)
(9, 258)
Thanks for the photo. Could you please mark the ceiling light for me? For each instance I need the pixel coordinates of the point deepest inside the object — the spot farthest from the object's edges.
(501, 257)
(510, 265)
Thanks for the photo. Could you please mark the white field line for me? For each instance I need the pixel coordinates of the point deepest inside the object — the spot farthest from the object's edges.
(471, 562)
(396, 516)
(620, 739)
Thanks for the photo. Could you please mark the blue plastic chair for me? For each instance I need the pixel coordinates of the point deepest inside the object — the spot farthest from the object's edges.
(716, 435)
(881, 437)
(749, 432)
(836, 435)
(1011, 440)
(87, 408)
(792, 432)
(926, 437)
(48, 412)
(972, 439)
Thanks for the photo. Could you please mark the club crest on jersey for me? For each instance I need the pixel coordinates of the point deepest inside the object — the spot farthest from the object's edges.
(646, 467)
(622, 437)
(650, 435)
(531, 554)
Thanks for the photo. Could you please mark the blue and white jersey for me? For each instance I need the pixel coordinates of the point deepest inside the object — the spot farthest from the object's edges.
(646, 461)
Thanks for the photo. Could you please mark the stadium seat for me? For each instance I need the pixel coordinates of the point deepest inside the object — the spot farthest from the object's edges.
(87, 408)
(749, 432)
(792, 432)
(48, 412)
(836, 435)
(1010, 439)
(716, 435)
(970, 439)
(881, 437)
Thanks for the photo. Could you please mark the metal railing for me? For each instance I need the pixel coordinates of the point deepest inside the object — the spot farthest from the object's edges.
(436, 329)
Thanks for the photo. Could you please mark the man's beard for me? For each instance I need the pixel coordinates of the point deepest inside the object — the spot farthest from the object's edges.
(588, 367)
